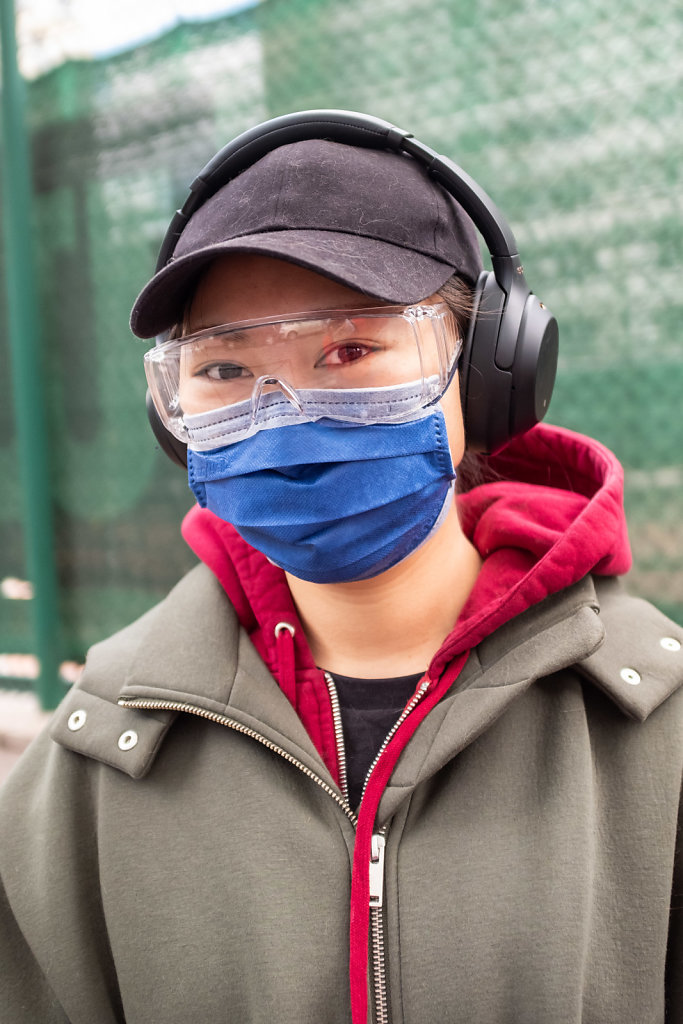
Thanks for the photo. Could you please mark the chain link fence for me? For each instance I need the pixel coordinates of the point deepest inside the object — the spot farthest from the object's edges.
(570, 115)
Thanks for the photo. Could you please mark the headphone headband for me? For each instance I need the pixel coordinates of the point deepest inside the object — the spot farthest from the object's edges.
(509, 360)
(351, 129)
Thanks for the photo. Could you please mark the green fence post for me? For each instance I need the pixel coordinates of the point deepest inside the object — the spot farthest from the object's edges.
(27, 384)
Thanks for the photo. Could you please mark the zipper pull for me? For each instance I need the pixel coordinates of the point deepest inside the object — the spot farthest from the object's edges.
(377, 845)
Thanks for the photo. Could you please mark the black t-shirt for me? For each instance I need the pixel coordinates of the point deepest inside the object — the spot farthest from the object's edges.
(369, 708)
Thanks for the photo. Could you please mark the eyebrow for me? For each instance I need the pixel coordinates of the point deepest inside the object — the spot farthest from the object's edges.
(238, 336)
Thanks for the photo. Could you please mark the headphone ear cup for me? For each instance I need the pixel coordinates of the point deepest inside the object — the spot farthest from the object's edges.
(535, 366)
(501, 402)
(170, 445)
(484, 388)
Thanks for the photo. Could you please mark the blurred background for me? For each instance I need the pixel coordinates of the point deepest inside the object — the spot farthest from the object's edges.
(569, 114)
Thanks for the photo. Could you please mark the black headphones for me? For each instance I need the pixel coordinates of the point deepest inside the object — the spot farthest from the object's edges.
(507, 368)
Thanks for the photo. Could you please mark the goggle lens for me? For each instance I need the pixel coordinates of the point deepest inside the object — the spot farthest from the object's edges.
(318, 364)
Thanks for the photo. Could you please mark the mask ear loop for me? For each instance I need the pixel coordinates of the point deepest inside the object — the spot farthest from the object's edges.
(286, 389)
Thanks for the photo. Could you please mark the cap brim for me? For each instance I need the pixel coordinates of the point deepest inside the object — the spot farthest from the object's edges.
(380, 269)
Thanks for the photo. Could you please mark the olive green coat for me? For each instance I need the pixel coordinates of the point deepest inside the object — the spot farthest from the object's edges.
(162, 866)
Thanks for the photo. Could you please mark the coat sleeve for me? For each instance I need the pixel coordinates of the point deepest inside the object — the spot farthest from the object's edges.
(25, 995)
(674, 967)
(55, 961)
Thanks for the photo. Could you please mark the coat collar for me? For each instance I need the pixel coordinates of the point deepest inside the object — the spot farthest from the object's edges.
(622, 645)
(189, 652)
(211, 666)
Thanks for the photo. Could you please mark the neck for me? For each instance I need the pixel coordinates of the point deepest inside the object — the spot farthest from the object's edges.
(393, 624)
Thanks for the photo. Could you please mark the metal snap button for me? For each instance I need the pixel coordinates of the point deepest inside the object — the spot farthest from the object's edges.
(629, 675)
(669, 643)
(128, 739)
(76, 720)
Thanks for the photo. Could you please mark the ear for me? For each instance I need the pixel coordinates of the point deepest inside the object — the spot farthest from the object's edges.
(175, 449)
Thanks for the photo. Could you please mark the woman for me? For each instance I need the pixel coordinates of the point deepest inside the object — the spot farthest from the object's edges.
(380, 735)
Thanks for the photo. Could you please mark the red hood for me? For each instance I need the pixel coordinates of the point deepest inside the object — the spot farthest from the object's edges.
(554, 515)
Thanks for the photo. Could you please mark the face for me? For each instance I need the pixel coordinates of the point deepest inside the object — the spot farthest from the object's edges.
(252, 287)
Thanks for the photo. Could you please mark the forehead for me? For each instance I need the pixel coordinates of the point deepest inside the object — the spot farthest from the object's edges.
(249, 287)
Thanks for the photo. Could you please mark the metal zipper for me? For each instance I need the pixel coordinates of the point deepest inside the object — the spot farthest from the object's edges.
(338, 735)
(145, 703)
(376, 868)
(377, 845)
(378, 841)
(412, 703)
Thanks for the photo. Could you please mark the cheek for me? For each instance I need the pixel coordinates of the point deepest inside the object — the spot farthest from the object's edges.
(452, 411)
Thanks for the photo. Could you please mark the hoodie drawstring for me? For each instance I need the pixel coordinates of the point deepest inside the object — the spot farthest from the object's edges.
(284, 639)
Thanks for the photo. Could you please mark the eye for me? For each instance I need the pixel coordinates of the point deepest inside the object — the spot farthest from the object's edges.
(223, 371)
(346, 353)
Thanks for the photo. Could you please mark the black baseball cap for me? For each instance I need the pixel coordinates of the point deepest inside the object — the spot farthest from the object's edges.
(371, 219)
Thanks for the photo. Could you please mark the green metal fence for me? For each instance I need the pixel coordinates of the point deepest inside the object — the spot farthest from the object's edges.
(569, 114)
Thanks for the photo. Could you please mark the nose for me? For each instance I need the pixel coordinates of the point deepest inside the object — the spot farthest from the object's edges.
(273, 382)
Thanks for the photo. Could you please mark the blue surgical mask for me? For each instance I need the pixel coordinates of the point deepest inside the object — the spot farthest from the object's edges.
(331, 501)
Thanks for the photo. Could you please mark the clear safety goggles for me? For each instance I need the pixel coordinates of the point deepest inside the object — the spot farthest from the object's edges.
(383, 365)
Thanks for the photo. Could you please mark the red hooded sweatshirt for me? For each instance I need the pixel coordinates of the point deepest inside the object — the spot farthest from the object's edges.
(554, 514)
